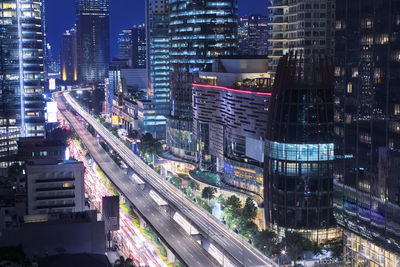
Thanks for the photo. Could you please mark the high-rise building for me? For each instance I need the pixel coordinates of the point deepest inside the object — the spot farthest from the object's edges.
(199, 32)
(230, 111)
(157, 59)
(22, 74)
(138, 47)
(253, 35)
(298, 186)
(367, 130)
(125, 44)
(305, 26)
(93, 35)
(68, 56)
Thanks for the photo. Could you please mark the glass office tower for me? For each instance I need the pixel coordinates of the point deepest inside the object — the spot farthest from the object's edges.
(93, 40)
(22, 81)
(157, 34)
(200, 31)
(300, 151)
(367, 130)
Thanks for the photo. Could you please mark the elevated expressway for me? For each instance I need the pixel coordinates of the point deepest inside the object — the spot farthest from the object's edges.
(226, 247)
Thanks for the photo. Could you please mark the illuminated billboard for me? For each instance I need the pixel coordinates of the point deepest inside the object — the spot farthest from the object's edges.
(51, 112)
(52, 84)
(116, 120)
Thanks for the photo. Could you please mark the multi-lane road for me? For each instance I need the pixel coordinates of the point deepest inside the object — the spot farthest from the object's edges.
(189, 252)
(238, 249)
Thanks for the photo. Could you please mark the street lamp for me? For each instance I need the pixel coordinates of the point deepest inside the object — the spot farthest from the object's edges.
(283, 253)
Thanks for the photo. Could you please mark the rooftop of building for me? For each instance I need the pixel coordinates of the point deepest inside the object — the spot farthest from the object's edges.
(39, 142)
(77, 260)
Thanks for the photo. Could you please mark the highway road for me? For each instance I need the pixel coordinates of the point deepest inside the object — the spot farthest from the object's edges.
(234, 245)
(187, 249)
(131, 241)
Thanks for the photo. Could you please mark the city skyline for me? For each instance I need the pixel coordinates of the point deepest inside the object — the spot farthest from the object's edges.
(60, 17)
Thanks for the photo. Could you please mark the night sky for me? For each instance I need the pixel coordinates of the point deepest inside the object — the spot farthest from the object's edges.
(123, 14)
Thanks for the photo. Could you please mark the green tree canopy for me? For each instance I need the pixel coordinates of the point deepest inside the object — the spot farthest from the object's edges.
(208, 192)
(249, 211)
(267, 242)
(294, 244)
(233, 204)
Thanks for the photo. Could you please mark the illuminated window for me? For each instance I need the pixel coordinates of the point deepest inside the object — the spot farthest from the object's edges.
(349, 87)
(396, 109)
(67, 185)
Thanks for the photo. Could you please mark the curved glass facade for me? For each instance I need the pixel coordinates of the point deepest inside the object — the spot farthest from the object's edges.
(300, 151)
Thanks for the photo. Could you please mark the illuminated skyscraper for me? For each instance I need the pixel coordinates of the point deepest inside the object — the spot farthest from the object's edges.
(157, 61)
(305, 26)
(22, 80)
(68, 56)
(93, 35)
(253, 35)
(200, 31)
(125, 44)
(367, 130)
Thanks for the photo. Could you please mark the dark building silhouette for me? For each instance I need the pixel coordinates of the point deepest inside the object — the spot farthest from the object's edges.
(138, 51)
(367, 130)
(209, 30)
(69, 57)
(93, 35)
(300, 151)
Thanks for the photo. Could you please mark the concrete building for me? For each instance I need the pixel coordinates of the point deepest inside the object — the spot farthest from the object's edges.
(40, 151)
(230, 110)
(47, 235)
(55, 188)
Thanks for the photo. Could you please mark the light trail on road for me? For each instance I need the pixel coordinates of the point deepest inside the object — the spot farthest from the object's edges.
(134, 244)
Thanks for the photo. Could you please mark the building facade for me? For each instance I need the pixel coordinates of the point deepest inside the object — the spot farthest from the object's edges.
(367, 130)
(125, 44)
(69, 56)
(55, 188)
(230, 111)
(199, 32)
(93, 40)
(305, 26)
(300, 151)
(253, 35)
(138, 51)
(22, 75)
(157, 34)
